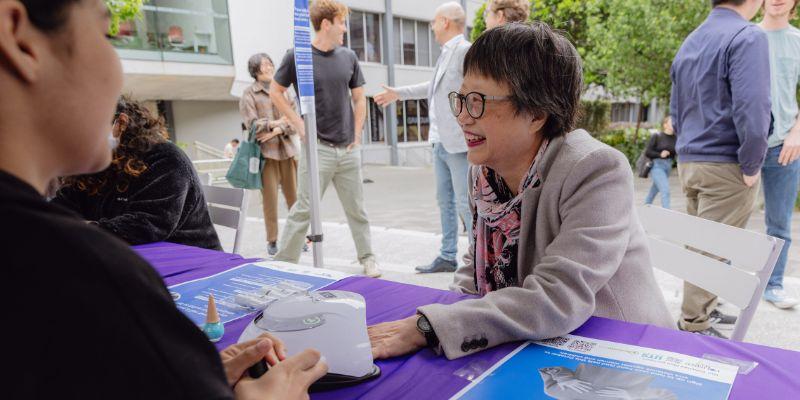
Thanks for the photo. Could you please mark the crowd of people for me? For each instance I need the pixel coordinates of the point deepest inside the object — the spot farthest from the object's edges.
(548, 249)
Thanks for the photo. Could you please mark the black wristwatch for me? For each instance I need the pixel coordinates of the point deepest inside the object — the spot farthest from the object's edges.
(424, 326)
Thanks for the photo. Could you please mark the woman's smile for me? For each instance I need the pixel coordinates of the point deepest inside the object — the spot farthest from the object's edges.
(474, 140)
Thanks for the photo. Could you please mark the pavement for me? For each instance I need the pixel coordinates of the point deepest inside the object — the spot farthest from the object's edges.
(405, 228)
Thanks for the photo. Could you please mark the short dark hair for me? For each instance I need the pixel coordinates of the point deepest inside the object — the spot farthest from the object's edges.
(254, 64)
(48, 15)
(235, 141)
(715, 3)
(542, 68)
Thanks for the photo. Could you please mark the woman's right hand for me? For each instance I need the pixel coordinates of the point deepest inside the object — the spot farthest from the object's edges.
(664, 153)
(289, 379)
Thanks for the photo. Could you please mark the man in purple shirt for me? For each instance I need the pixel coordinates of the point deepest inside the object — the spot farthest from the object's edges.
(720, 108)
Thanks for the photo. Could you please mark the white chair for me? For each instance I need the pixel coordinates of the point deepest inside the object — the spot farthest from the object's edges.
(751, 257)
(228, 207)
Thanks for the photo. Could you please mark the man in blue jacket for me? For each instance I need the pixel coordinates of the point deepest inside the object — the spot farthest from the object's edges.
(720, 107)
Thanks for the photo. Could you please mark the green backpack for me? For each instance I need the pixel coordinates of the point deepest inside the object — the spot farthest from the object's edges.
(245, 170)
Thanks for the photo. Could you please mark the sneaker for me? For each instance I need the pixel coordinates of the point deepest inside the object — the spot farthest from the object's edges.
(438, 265)
(272, 248)
(711, 332)
(305, 247)
(779, 298)
(705, 332)
(718, 317)
(370, 267)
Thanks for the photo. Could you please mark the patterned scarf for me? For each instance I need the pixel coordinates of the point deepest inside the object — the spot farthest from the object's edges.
(496, 226)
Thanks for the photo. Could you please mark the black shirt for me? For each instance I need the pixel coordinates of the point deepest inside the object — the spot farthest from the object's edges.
(86, 318)
(660, 142)
(164, 204)
(335, 73)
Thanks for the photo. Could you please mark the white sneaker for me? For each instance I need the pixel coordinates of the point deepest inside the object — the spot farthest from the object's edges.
(779, 298)
(371, 267)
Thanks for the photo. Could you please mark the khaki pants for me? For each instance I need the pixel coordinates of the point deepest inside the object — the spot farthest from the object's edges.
(343, 169)
(276, 173)
(716, 192)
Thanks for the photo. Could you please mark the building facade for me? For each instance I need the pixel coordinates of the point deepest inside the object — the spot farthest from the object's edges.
(188, 60)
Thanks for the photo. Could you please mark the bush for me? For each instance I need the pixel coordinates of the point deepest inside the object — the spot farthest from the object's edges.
(622, 140)
(594, 116)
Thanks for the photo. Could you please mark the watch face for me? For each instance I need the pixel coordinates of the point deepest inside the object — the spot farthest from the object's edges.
(423, 324)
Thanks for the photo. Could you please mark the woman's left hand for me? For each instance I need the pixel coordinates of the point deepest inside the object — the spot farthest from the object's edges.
(237, 358)
(396, 338)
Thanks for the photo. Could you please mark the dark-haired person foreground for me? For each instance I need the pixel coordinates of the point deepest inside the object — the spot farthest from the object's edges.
(88, 318)
(556, 236)
(150, 192)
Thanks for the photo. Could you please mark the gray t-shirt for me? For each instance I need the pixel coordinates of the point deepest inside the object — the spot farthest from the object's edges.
(335, 73)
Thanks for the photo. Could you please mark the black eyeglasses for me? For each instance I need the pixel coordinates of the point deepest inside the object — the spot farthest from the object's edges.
(476, 103)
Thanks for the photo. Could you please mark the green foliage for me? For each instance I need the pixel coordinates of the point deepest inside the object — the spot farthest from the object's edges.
(623, 140)
(639, 41)
(594, 116)
(573, 17)
(478, 24)
(123, 10)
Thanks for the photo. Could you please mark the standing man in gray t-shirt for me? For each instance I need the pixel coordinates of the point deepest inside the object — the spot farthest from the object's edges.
(339, 124)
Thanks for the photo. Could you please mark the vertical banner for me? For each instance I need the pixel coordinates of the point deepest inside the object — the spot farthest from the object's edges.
(302, 56)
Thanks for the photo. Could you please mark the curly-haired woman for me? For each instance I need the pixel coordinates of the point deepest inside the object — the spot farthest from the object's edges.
(149, 193)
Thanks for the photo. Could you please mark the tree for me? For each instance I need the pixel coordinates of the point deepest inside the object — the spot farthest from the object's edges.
(123, 10)
(569, 16)
(639, 41)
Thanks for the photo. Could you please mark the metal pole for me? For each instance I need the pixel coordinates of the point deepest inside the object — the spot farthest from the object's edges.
(391, 111)
(313, 183)
(464, 6)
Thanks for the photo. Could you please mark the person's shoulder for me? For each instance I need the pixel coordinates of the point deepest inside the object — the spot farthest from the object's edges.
(794, 34)
(168, 154)
(581, 148)
(344, 52)
(750, 34)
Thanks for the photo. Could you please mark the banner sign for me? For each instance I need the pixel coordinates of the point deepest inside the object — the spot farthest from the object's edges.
(302, 55)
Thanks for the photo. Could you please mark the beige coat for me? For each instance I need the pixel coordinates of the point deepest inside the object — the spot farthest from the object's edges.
(582, 252)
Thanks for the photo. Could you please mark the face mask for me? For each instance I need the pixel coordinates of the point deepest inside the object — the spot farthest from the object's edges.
(112, 141)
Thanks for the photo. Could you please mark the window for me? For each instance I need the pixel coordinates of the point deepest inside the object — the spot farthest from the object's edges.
(409, 43)
(374, 36)
(412, 121)
(364, 35)
(356, 30)
(374, 128)
(178, 30)
(414, 43)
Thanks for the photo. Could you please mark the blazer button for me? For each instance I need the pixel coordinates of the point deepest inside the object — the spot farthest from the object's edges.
(484, 342)
(465, 347)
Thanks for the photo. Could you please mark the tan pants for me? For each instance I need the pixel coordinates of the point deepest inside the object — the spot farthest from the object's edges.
(275, 173)
(716, 192)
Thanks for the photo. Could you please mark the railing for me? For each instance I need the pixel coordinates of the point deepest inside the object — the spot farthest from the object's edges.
(203, 151)
(213, 171)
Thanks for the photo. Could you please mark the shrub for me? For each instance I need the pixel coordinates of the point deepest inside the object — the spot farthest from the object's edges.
(622, 140)
(594, 116)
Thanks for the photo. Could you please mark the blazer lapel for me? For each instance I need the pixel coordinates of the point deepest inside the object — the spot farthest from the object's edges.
(442, 67)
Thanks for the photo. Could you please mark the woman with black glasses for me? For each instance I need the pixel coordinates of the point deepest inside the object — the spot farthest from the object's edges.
(556, 237)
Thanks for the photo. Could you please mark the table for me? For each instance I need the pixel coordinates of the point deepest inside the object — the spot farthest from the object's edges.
(426, 376)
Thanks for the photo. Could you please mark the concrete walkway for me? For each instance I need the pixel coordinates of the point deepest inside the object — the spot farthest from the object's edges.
(405, 232)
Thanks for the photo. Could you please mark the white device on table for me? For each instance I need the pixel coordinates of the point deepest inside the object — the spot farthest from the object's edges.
(333, 322)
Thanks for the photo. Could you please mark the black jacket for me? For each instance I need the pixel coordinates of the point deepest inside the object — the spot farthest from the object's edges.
(659, 142)
(86, 317)
(165, 203)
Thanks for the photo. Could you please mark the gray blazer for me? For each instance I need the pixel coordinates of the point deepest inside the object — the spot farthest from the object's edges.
(582, 252)
(448, 77)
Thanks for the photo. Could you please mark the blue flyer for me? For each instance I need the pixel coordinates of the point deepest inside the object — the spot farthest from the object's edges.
(578, 368)
(192, 297)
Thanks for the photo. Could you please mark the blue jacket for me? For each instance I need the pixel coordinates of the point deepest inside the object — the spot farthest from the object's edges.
(720, 103)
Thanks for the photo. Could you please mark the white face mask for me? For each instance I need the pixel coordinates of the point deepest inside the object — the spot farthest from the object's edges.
(113, 141)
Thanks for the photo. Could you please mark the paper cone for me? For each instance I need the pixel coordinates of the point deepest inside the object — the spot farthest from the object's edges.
(211, 312)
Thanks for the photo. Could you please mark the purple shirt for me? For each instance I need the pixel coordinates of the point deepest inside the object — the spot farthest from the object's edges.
(720, 103)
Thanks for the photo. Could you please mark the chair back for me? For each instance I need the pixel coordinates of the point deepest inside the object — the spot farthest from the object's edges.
(228, 208)
(731, 262)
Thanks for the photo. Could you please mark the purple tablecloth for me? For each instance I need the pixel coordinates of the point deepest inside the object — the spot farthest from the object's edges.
(426, 376)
